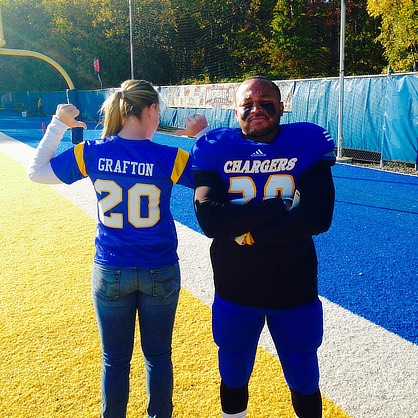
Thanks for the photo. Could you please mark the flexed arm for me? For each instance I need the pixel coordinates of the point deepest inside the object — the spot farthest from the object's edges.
(40, 170)
(221, 219)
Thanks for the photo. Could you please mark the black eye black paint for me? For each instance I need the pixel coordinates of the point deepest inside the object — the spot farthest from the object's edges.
(270, 108)
(244, 112)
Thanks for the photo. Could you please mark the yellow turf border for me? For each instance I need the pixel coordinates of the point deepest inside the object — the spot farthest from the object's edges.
(49, 346)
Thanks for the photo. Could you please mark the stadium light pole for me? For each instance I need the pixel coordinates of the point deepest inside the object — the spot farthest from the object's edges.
(2, 41)
(131, 39)
(340, 138)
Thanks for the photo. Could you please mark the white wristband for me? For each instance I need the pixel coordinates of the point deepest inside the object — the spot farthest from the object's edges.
(202, 132)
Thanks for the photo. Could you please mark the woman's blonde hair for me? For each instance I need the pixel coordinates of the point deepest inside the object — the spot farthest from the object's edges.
(132, 98)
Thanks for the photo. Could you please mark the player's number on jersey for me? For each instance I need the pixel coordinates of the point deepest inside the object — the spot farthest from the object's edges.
(276, 185)
(136, 193)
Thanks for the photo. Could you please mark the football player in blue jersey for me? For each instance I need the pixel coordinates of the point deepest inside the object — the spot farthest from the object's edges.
(262, 191)
(136, 266)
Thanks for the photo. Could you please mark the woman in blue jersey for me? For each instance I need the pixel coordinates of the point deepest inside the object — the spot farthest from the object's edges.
(136, 266)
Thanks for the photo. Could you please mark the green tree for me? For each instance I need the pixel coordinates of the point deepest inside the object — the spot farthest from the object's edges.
(234, 34)
(184, 41)
(26, 26)
(73, 34)
(200, 47)
(187, 50)
(362, 54)
(220, 40)
(306, 39)
(90, 29)
(250, 45)
(153, 39)
(399, 31)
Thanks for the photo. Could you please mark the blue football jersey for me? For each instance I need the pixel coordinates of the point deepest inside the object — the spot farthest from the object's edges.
(133, 180)
(256, 171)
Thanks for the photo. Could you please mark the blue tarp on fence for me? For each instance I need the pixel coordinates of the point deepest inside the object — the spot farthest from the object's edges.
(380, 113)
(400, 129)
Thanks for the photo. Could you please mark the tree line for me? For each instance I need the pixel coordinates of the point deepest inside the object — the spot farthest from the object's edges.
(202, 41)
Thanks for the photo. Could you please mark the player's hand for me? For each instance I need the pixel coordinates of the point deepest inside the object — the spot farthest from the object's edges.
(67, 113)
(194, 124)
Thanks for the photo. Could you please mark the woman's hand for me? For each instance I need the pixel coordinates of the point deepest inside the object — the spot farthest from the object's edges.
(67, 113)
(194, 124)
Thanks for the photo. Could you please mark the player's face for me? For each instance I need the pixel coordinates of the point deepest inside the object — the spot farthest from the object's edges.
(258, 110)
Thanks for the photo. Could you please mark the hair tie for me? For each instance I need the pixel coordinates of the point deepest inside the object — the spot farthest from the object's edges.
(122, 94)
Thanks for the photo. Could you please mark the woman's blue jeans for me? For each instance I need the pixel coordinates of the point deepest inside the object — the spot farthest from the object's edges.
(118, 294)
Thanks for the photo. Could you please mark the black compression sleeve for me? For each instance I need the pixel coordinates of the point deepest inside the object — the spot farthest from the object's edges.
(219, 218)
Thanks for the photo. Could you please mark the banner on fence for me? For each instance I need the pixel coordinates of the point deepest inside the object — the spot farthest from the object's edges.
(214, 96)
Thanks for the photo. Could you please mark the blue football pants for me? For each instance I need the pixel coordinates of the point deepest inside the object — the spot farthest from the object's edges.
(296, 332)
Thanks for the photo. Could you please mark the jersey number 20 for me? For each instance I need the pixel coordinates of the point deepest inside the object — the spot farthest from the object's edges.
(114, 219)
(276, 185)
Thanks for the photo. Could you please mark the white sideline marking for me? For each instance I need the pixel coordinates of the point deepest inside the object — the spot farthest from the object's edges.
(366, 370)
